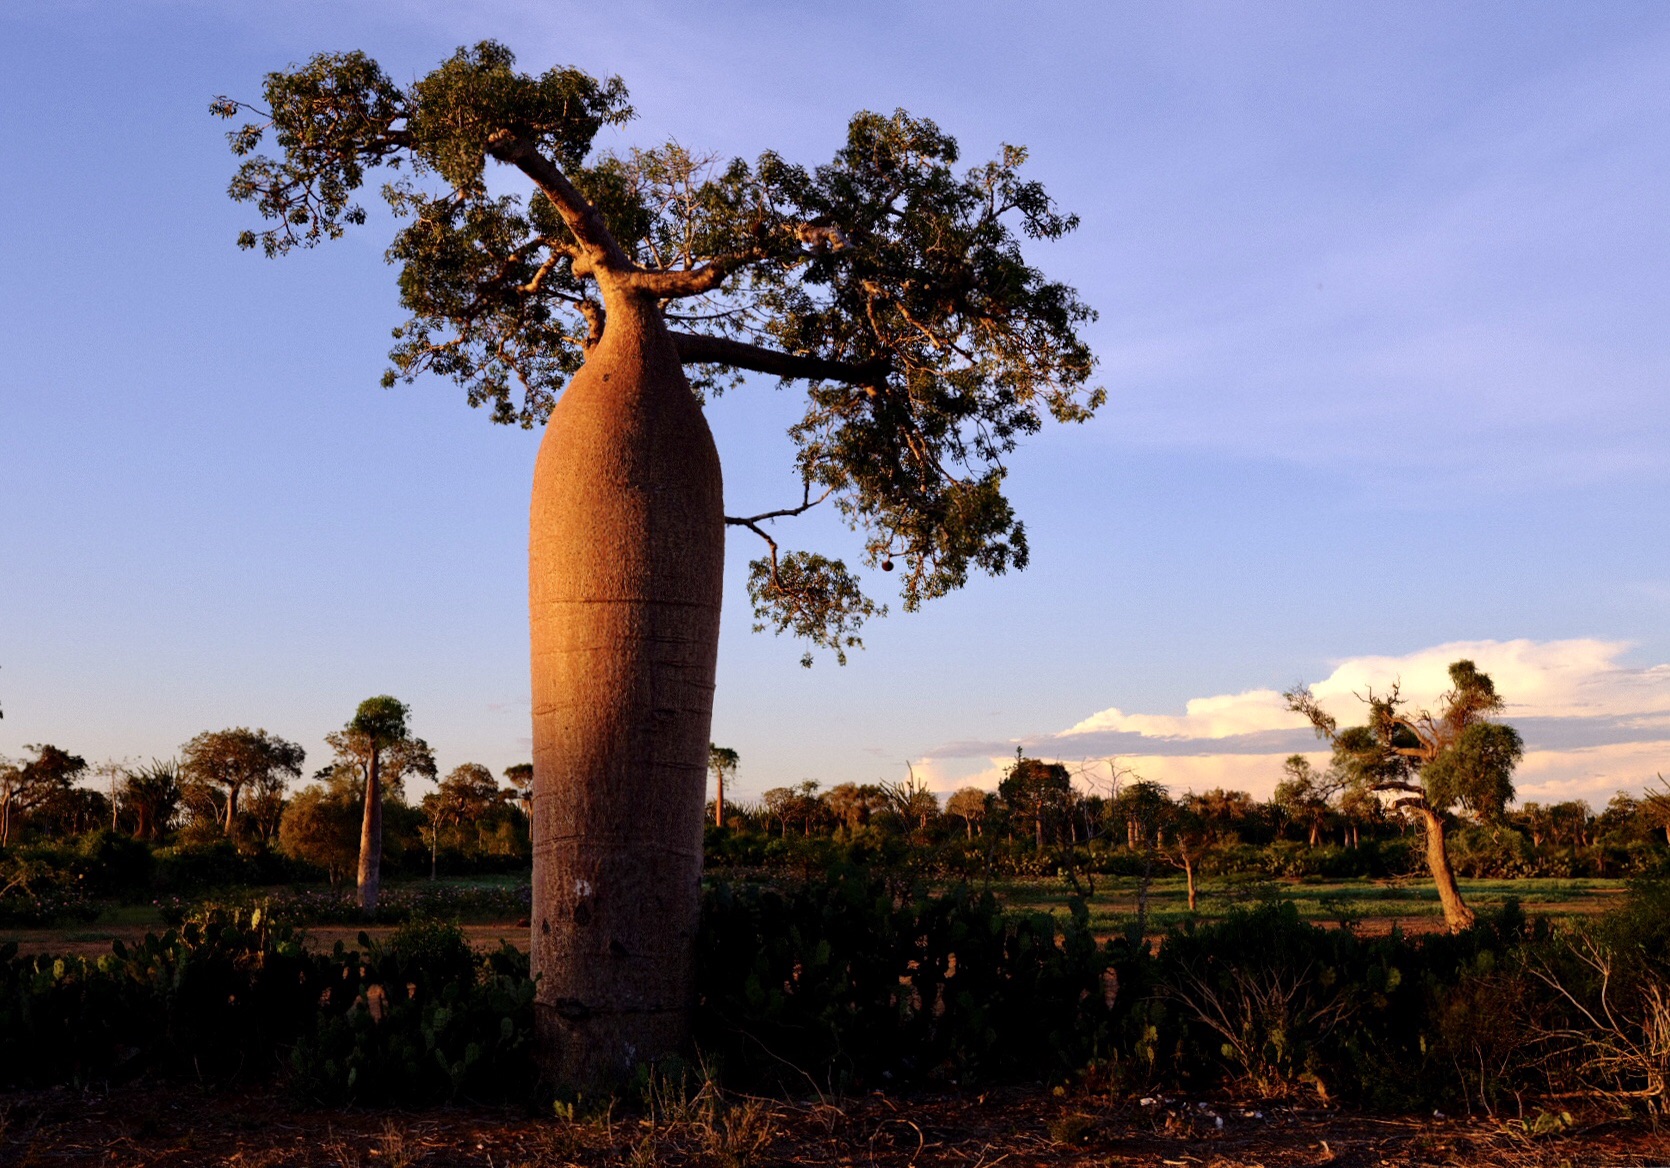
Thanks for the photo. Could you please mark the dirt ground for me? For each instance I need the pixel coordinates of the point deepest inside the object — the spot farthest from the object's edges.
(179, 1126)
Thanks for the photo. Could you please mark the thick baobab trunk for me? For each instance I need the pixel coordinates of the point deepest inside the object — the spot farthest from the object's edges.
(1456, 912)
(719, 802)
(371, 839)
(625, 566)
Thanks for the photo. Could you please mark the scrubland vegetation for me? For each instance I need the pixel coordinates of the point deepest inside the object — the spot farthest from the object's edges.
(862, 938)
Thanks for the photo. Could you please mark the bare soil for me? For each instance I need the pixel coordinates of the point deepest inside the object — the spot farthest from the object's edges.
(176, 1125)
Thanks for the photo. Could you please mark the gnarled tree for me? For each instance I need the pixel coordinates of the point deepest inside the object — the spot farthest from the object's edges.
(1430, 763)
(236, 760)
(576, 293)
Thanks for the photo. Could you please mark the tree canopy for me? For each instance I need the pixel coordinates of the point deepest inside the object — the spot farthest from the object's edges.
(891, 282)
(1456, 757)
(237, 759)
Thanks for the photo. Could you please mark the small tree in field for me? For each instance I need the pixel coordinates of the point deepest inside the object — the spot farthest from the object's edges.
(1303, 795)
(468, 795)
(376, 747)
(1188, 836)
(151, 794)
(1431, 763)
(520, 778)
(26, 786)
(890, 283)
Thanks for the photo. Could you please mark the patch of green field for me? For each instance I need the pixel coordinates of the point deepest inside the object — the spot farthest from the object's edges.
(1113, 904)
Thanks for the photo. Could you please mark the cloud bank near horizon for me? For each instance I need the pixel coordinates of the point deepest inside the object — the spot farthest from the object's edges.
(1592, 724)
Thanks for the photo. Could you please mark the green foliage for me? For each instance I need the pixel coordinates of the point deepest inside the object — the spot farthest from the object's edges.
(230, 994)
(852, 980)
(894, 284)
(1475, 771)
(420, 1018)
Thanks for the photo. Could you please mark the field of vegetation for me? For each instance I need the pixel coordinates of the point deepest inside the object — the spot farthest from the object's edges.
(1046, 971)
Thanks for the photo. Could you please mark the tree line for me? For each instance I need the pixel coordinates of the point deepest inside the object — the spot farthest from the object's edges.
(232, 787)
(1435, 772)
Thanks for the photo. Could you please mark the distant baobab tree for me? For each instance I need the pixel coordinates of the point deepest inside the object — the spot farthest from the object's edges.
(722, 761)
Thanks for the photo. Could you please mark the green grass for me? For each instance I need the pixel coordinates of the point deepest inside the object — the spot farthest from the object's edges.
(1113, 904)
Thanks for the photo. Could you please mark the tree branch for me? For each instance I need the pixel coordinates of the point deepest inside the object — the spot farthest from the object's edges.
(698, 349)
(672, 285)
(806, 504)
(582, 218)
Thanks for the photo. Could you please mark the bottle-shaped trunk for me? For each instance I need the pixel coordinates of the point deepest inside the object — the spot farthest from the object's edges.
(371, 839)
(625, 565)
(1456, 913)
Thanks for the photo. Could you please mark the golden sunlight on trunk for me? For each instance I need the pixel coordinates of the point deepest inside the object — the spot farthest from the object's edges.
(625, 564)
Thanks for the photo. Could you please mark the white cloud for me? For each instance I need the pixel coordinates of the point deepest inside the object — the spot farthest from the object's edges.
(1215, 717)
(1542, 679)
(1593, 725)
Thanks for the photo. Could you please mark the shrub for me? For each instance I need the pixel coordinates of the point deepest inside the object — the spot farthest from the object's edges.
(854, 979)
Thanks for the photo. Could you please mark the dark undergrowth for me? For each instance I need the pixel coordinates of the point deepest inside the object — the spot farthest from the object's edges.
(853, 981)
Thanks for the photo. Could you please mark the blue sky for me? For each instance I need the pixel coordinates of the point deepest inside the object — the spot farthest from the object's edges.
(1383, 303)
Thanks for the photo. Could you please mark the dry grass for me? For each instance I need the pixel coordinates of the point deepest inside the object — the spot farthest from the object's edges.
(180, 1126)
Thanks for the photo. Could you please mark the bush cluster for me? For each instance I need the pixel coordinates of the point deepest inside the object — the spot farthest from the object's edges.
(232, 995)
(858, 978)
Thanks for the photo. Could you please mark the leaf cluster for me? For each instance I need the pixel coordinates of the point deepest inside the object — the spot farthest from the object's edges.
(890, 280)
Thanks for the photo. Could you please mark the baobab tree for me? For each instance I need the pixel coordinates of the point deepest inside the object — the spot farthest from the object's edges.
(378, 751)
(1431, 763)
(891, 284)
(722, 761)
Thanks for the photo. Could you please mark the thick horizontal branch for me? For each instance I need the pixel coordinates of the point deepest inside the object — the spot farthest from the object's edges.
(696, 349)
(672, 285)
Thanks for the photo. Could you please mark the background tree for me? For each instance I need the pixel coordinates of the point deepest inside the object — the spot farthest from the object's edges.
(721, 761)
(913, 803)
(1145, 807)
(469, 795)
(1431, 762)
(969, 805)
(780, 805)
(235, 759)
(1229, 813)
(891, 283)
(1038, 792)
(1303, 795)
(378, 750)
(1655, 805)
(151, 795)
(1189, 835)
(520, 778)
(321, 825)
(26, 785)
